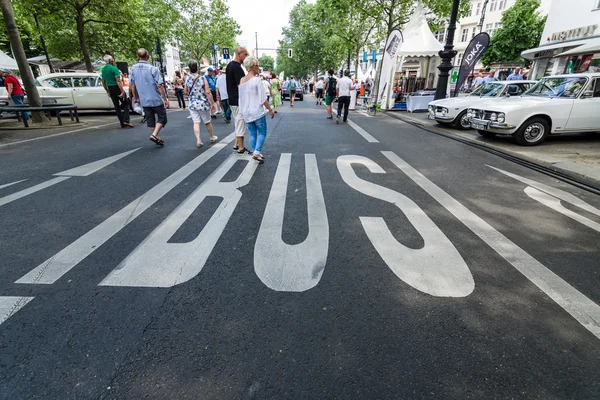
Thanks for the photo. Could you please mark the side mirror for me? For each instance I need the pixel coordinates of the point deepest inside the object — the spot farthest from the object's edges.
(587, 94)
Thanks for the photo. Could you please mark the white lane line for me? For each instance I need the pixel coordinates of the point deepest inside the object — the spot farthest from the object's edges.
(561, 194)
(574, 302)
(554, 203)
(363, 133)
(26, 192)
(12, 183)
(9, 305)
(298, 267)
(62, 262)
(56, 134)
(88, 169)
(83, 170)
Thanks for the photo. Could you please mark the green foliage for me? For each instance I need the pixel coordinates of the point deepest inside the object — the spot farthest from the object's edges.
(522, 28)
(204, 25)
(267, 63)
(28, 31)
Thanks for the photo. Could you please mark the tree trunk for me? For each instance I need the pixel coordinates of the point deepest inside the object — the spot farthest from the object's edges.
(81, 37)
(33, 96)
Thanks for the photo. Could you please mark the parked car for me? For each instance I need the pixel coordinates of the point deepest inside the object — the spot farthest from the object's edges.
(453, 110)
(556, 104)
(83, 89)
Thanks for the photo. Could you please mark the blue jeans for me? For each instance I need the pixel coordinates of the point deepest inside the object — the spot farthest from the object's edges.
(18, 100)
(258, 133)
(226, 109)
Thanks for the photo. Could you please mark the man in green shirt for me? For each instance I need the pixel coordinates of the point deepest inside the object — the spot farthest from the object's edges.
(113, 84)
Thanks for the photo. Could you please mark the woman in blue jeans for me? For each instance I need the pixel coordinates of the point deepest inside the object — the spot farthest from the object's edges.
(253, 104)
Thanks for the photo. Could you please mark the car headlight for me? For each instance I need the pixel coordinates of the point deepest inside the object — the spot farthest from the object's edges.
(444, 111)
(430, 109)
(494, 117)
(470, 113)
(501, 118)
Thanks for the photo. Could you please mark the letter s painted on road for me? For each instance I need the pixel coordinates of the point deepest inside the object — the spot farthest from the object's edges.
(436, 269)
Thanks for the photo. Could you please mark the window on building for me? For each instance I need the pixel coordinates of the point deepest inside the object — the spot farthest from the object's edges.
(478, 9)
(465, 35)
(441, 36)
(502, 5)
(488, 28)
(473, 32)
(460, 57)
(493, 5)
(497, 26)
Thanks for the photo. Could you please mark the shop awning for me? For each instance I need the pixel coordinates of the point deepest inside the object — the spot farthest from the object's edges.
(590, 46)
(418, 39)
(530, 54)
(7, 62)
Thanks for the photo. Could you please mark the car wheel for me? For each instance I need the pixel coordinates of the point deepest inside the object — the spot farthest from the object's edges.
(302, 98)
(461, 122)
(533, 132)
(487, 134)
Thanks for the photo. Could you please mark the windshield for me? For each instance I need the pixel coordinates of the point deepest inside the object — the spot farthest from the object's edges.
(488, 90)
(568, 87)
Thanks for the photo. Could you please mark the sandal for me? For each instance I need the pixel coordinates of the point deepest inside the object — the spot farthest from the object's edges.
(259, 158)
(199, 144)
(157, 140)
(244, 150)
(213, 139)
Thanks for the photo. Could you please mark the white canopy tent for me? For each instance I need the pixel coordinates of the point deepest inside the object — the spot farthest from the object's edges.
(7, 62)
(419, 42)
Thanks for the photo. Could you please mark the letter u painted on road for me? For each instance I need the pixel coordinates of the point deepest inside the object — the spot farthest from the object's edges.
(292, 268)
(157, 263)
(436, 269)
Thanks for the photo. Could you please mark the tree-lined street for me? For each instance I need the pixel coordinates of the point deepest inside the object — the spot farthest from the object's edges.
(363, 260)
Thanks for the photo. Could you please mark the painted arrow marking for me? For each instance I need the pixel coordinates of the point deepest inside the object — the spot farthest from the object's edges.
(12, 183)
(83, 170)
(9, 305)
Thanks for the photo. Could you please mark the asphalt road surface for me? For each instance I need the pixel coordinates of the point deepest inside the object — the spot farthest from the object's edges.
(365, 260)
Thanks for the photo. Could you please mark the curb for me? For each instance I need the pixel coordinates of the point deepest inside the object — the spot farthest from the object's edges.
(587, 179)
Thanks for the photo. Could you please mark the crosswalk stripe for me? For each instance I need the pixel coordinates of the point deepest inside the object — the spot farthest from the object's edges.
(9, 305)
(12, 183)
(574, 302)
(26, 192)
(56, 266)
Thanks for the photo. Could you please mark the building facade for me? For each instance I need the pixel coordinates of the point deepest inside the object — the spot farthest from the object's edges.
(571, 40)
(172, 60)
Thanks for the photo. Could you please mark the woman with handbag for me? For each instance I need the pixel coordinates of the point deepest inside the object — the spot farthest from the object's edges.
(200, 102)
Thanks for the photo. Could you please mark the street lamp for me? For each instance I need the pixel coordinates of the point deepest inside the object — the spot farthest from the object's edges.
(447, 55)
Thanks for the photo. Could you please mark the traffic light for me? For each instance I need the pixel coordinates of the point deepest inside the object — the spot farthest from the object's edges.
(290, 53)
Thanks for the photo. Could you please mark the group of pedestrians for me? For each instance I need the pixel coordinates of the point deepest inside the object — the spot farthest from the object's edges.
(336, 88)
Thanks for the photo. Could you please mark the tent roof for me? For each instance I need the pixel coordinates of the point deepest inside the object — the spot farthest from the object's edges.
(418, 39)
(7, 62)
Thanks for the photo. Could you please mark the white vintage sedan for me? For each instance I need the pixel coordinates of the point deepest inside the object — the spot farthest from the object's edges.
(453, 110)
(84, 89)
(556, 104)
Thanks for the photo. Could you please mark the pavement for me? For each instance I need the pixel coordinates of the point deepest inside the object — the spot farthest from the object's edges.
(363, 260)
(574, 154)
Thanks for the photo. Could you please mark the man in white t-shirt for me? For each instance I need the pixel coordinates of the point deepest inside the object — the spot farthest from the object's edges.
(223, 96)
(344, 86)
(320, 87)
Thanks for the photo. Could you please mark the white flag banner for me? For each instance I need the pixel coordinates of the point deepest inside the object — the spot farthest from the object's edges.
(390, 51)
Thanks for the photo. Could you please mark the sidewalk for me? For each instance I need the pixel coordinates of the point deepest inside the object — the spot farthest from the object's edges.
(577, 155)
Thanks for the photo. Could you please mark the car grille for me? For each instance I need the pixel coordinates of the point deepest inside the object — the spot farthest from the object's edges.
(482, 114)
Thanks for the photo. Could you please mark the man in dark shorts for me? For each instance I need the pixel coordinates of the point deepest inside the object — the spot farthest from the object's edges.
(330, 92)
(233, 75)
(148, 89)
(293, 86)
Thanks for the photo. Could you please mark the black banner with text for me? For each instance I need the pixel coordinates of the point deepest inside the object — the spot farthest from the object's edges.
(473, 53)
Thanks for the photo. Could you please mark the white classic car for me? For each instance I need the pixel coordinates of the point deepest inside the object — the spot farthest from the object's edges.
(556, 104)
(84, 89)
(453, 110)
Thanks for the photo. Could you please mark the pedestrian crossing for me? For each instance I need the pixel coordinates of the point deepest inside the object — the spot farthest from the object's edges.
(437, 269)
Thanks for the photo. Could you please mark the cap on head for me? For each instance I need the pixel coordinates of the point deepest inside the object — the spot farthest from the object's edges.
(8, 71)
(210, 69)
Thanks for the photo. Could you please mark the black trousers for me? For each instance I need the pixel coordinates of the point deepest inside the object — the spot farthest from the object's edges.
(343, 101)
(121, 104)
(180, 97)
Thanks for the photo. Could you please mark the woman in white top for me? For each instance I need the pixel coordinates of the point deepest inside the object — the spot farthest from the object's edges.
(252, 104)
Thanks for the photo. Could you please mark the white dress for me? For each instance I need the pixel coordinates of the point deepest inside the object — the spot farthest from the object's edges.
(251, 99)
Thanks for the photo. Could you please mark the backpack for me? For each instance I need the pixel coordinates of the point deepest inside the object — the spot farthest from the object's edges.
(331, 86)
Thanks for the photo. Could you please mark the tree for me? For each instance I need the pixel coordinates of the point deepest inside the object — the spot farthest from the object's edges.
(267, 63)
(204, 26)
(522, 28)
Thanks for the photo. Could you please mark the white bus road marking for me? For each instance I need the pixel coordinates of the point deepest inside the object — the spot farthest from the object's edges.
(363, 133)
(436, 269)
(158, 263)
(299, 267)
(584, 310)
(83, 170)
(561, 194)
(12, 183)
(62, 262)
(9, 305)
(554, 203)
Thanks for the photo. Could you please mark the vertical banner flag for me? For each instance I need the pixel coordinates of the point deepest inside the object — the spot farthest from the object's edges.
(392, 45)
(473, 53)
(365, 57)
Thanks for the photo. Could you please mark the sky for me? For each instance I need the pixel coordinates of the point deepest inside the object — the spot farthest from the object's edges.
(265, 18)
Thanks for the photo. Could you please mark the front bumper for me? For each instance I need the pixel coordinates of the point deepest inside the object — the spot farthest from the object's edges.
(486, 125)
(439, 117)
